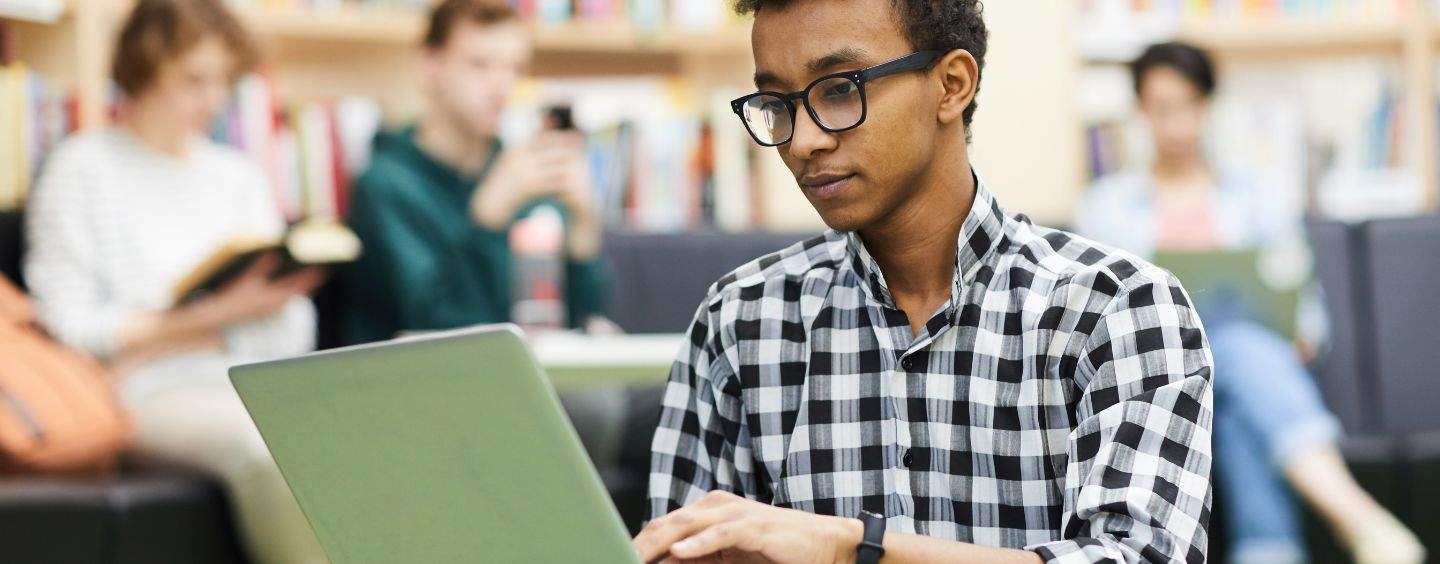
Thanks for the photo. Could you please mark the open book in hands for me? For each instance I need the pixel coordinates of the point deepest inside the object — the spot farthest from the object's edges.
(315, 242)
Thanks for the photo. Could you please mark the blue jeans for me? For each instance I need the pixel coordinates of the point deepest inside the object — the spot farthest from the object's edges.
(1267, 409)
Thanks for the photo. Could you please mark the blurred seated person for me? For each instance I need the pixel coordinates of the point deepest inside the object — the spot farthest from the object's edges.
(1272, 430)
(122, 214)
(436, 206)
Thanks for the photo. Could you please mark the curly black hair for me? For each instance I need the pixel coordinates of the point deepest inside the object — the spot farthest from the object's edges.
(939, 25)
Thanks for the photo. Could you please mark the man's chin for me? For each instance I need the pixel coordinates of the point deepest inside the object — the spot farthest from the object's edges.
(843, 220)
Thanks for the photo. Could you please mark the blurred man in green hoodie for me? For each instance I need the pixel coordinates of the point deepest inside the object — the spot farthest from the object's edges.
(435, 207)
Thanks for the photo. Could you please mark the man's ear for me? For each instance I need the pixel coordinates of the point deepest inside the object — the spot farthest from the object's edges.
(959, 78)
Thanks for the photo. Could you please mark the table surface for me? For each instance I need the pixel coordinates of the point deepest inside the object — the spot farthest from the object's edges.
(576, 361)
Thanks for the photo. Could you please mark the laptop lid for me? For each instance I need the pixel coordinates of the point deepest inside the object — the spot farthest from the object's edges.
(1226, 284)
(446, 448)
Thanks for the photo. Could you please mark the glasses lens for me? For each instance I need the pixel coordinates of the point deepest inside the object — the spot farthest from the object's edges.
(837, 103)
(769, 119)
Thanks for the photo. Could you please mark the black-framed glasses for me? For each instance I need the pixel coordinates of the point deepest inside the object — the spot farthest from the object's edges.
(836, 102)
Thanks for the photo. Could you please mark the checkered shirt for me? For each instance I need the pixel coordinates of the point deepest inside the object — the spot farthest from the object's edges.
(1060, 402)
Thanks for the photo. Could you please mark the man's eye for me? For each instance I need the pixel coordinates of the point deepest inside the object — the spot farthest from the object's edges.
(841, 90)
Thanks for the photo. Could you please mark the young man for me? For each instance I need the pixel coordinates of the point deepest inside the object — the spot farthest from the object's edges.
(972, 387)
(435, 208)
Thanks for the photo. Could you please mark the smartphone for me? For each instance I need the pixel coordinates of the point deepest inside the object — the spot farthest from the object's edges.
(560, 118)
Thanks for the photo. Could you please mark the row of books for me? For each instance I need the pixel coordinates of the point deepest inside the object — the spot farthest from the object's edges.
(1325, 131)
(34, 116)
(1211, 11)
(310, 151)
(1118, 30)
(657, 165)
(389, 6)
(687, 15)
(1116, 146)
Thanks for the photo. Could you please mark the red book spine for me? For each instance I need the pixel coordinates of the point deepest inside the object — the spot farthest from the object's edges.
(337, 167)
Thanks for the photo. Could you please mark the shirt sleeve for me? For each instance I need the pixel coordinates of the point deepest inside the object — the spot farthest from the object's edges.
(586, 284)
(1137, 483)
(292, 331)
(702, 443)
(62, 263)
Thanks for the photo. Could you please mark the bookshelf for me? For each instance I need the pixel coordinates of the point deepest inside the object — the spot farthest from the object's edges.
(1408, 39)
(1297, 39)
(70, 48)
(75, 47)
(404, 29)
(329, 54)
(47, 11)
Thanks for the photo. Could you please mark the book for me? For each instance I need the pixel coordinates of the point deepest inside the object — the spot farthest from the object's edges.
(312, 243)
(32, 120)
(311, 150)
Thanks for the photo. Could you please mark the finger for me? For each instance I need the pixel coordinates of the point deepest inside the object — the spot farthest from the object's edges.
(578, 178)
(656, 539)
(556, 159)
(711, 541)
(316, 278)
(559, 139)
(555, 180)
(307, 280)
(264, 266)
(713, 559)
(303, 283)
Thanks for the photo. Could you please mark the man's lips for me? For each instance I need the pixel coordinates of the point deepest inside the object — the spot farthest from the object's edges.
(825, 185)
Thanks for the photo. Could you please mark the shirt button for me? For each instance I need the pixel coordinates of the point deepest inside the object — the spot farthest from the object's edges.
(907, 364)
(909, 458)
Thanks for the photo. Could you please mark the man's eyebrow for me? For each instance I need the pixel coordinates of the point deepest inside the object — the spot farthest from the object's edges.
(846, 56)
(763, 79)
(843, 57)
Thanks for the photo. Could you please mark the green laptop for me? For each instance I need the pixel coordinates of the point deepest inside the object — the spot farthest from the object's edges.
(446, 448)
(1233, 283)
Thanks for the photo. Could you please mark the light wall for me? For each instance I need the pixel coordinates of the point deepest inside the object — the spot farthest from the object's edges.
(1028, 139)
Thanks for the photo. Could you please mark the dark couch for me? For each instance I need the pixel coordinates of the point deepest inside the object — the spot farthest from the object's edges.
(142, 515)
(660, 280)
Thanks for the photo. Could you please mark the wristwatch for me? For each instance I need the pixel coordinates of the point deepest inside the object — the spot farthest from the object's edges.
(871, 547)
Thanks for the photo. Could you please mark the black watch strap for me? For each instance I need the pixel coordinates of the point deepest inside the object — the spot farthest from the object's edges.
(871, 547)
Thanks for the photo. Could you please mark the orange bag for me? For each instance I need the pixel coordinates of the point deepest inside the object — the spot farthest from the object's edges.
(59, 411)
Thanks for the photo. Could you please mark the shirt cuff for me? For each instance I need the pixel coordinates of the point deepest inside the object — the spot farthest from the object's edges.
(1079, 551)
(585, 289)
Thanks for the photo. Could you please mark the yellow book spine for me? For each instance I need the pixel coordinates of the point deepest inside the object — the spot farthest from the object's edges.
(25, 135)
(9, 137)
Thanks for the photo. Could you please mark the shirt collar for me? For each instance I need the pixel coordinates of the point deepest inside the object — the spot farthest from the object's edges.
(980, 234)
(404, 142)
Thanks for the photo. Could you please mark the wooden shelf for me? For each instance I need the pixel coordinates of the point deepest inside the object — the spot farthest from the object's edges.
(353, 26)
(619, 39)
(377, 28)
(1299, 39)
(42, 11)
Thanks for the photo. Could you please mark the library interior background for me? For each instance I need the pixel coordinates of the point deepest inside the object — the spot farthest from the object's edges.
(1326, 111)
